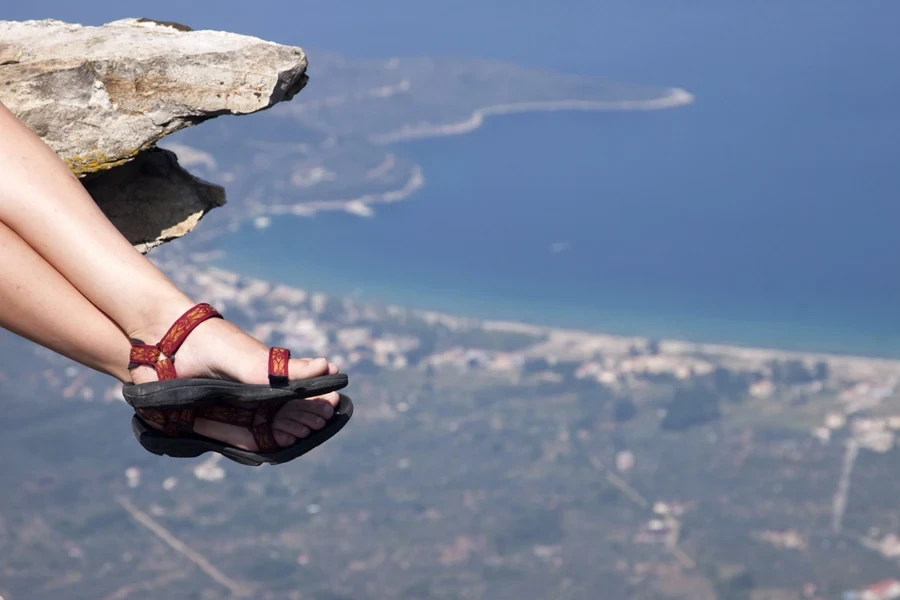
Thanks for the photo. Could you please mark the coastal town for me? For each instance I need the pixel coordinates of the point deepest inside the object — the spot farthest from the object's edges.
(660, 458)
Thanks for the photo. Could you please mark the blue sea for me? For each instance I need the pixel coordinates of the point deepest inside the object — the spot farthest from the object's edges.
(766, 213)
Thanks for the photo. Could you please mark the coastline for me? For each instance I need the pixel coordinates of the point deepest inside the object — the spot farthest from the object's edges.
(357, 206)
(565, 336)
(562, 343)
(737, 336)
(748, 353)
(361, 205)
(676, 97)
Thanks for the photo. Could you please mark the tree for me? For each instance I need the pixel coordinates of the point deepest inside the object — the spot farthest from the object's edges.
(691, 407)
(624, 410)
(790, 372)
(732, 386)
(535, 365)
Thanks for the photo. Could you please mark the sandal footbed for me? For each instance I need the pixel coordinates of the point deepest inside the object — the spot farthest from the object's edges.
(199, 391)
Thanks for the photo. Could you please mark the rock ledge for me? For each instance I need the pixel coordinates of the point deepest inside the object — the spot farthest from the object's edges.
(101, 96)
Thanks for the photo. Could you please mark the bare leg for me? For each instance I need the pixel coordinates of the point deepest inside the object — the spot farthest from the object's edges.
(39, 304)
(44, 203)
(52, 224)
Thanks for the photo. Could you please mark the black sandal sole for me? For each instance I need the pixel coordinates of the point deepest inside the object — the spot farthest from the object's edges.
(194, 445)
(197, 391)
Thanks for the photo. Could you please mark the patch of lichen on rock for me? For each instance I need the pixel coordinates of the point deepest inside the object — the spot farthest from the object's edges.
(94, 162)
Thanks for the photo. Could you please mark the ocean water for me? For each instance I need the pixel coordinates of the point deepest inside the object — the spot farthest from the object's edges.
(766, 213)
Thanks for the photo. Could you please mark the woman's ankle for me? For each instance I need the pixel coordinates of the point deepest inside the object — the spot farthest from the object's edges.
(117, 371)
(149, 324)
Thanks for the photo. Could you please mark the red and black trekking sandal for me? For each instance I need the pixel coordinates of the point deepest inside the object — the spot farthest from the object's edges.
(178, 439)
(170, 391)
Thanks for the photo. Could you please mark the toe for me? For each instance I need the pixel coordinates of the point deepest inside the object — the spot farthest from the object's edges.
(283, 439)
(333, 369)
(332, 399)
(321, 406)
(304, 369)
(307, 419)
(291, 427)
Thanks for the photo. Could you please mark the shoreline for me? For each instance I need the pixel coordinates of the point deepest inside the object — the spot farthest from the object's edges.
(675, 98)
(668, 345)
(681, 346)
(356, 206)
(567, 342)
(694, 338)
(360, 205)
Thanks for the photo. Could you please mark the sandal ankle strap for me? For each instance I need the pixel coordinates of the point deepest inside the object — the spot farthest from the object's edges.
(144, 354)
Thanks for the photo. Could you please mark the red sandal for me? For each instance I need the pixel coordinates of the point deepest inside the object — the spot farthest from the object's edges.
(178, 439)
(170, 391)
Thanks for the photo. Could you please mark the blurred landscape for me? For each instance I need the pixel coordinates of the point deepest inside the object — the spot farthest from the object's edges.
(652, 357)
(490, 460)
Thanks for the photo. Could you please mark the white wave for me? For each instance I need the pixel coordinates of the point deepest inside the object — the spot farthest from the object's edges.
(675, 97)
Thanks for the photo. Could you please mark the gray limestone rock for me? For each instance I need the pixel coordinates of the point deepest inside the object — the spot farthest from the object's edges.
(101, 96)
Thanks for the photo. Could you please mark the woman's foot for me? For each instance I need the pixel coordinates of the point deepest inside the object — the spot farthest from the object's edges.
(220, 350)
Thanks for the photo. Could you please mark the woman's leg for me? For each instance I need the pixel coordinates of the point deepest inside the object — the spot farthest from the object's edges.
(39, 304)
(43, 207)
(45, 204)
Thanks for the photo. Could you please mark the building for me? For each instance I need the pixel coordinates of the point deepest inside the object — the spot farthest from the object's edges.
(883, 590)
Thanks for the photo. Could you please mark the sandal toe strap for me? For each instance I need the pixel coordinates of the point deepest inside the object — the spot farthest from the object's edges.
(264, 438)
(278, 366)
(230, 415)
(262, 431)
(258, 421)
